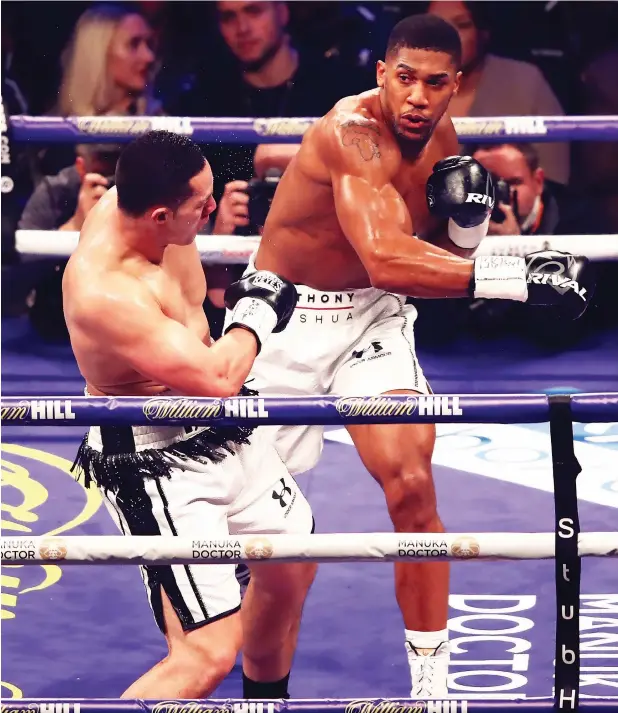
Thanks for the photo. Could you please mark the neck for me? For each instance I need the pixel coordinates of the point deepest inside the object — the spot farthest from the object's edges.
(121, 100)
(139, 240)
(275, 71)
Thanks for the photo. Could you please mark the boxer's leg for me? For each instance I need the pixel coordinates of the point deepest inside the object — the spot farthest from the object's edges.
(272, 503)
(196, 607)
(398, 456)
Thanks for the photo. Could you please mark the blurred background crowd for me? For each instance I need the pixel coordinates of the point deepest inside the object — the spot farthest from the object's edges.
(255, 59)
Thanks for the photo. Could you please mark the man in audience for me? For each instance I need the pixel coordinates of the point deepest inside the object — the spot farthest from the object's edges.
(269, 77)
(63, 201)
(536, 207)
(499, 86)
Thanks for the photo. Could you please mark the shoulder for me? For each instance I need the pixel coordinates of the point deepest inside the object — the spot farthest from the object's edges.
(510, 69)
(97, 298)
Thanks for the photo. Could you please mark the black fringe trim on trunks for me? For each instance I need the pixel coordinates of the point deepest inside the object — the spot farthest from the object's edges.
(113, 471)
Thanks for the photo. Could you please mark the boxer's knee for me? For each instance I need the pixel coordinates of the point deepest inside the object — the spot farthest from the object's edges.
(204, 663)
(411, 498)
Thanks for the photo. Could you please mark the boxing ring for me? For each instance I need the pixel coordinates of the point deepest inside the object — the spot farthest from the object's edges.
(33, 414)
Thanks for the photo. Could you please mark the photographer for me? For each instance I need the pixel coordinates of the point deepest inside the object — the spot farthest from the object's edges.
(63, 201)
(243, 205)
(527, 204)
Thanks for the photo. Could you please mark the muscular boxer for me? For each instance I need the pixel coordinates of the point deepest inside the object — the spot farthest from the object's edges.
(133, 294)
(376, 206)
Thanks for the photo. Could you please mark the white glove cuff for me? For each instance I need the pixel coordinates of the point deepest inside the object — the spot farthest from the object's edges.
(468, 237)
(256, 315)
(501, 277)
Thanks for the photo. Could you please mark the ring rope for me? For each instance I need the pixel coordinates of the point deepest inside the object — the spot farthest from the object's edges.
(237, 130)
(236, 249)
(338, 547)
(306, 410)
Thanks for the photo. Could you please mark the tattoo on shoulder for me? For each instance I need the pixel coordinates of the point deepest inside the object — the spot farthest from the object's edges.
(364, 135)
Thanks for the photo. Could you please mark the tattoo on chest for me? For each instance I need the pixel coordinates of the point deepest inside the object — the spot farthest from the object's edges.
(364, 136)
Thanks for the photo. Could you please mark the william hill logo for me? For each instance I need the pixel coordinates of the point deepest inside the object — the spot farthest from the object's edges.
(384, 406)
(173, 407)
(38, 410)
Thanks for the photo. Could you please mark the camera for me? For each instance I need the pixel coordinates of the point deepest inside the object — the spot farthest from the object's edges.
(502, 192)
(261, 193)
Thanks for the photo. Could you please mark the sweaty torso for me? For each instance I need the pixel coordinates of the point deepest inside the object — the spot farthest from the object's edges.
(302, 238)
(177, 284)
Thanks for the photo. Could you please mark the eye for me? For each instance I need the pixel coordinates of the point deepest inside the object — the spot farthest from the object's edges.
(435, 82)
(404, 77)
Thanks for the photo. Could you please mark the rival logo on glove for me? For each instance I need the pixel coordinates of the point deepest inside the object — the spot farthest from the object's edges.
(557, 281)
(481, 198)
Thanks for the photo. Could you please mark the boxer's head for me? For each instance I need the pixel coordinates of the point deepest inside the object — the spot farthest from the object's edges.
(419, 76)
(164, 181)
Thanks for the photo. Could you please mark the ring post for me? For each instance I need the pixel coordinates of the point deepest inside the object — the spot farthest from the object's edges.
(565, 469)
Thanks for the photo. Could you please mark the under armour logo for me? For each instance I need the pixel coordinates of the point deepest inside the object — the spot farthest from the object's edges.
(376, 346)
(281, 495)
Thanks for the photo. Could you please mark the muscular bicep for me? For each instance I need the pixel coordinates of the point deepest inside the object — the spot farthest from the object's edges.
(369, 209)
(369, 214)
(137, 333)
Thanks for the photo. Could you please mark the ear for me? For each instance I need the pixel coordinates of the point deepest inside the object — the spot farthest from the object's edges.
(80, 167)
(457, 82)
(160, 215)
(380, 73)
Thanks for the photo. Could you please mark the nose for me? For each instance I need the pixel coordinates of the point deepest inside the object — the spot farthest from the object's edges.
(417, 96)
(146, 54)
(243, 26)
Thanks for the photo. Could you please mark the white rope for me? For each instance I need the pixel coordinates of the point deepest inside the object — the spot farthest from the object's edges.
(349, 547)
(230, 249)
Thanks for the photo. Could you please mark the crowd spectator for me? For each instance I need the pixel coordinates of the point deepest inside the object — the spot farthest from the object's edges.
(492, 85)
(534, 207)
(63, 201)
(261, 73)
(107, 69)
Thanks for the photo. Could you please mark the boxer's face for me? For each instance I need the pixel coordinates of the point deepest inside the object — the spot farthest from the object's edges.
(182, 225)
(417, 86)
(253, 31)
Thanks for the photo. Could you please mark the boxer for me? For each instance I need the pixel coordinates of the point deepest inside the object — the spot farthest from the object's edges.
(133, 293)
(375, 207)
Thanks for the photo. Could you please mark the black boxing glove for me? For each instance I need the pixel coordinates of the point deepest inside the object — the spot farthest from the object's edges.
(560, 280)
(546, 278)
(461, 190)
(262, 303)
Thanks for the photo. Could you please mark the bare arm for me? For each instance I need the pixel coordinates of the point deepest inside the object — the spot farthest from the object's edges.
(376, 222)
(129, 321)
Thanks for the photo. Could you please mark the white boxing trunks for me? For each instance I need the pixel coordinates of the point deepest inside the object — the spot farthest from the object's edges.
(206, 484)
(348, 343)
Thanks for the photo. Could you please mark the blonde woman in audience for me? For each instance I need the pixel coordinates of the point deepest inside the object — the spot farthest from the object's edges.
(108, 65)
